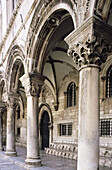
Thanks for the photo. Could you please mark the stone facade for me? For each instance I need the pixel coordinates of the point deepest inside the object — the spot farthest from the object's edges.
(55, 79)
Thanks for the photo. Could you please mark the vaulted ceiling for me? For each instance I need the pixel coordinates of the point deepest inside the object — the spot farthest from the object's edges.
(58, 63)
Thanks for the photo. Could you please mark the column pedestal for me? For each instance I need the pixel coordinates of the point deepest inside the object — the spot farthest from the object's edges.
(33, 162)
(88, 136)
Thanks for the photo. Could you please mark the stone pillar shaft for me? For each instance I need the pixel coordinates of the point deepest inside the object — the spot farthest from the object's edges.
(32, 134)
(11, 100)
(88, 137)
(10, 148)
(1, 132)
(2, 106)
(89, 45)
(32, 83)
(33, 157)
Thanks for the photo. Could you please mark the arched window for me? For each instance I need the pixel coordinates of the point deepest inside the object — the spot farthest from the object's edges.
(109, 82)
(71, 95)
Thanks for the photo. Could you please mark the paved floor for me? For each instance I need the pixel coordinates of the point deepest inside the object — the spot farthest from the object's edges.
(49, 162)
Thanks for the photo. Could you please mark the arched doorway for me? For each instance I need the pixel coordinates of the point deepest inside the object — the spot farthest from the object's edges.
(44, 130)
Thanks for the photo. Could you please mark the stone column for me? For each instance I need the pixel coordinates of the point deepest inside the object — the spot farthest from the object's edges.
(2, 105)
(88, 134)
(32, 83)
(89, 49)
(11, 99)
(88, 128)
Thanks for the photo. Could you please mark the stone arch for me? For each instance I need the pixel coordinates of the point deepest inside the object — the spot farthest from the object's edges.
(15, 63)
(106, 66)
(40, 26)
(42, 109)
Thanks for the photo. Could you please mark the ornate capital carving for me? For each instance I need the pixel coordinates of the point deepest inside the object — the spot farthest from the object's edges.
(90, 43)
(93, 50)
(32, 83)
(10, 99)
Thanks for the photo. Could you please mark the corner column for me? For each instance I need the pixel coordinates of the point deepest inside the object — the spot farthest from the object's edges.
(2, 105)
(32, 83)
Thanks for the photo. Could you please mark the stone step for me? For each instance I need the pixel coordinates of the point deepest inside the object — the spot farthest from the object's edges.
(70, 151)
(61, 153)
(64, 147)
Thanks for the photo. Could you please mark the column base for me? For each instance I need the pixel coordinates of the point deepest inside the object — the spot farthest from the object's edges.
(11, 153)
(33, 162)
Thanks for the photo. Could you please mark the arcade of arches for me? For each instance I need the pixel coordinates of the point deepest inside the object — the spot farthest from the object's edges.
(56, 80)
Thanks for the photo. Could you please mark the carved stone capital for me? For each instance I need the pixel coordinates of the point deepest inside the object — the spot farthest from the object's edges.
(10, 99)
(94, 50)
(91, 43)
(32, 83)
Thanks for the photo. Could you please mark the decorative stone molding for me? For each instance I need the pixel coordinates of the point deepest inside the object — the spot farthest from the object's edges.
(32, 83)
(94, 45)
(43, 9)
(47, 2)
(14, 53)
(11, 23)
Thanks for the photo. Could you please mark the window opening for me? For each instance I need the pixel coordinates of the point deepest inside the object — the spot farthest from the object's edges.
(71, 95)
(109, 83)
(66, 129)
(105, 127)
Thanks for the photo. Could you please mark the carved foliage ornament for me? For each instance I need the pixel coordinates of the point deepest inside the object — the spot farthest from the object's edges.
(92, 51)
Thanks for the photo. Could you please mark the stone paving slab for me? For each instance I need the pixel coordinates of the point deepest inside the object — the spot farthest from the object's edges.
(8, 165)
(49, 162)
